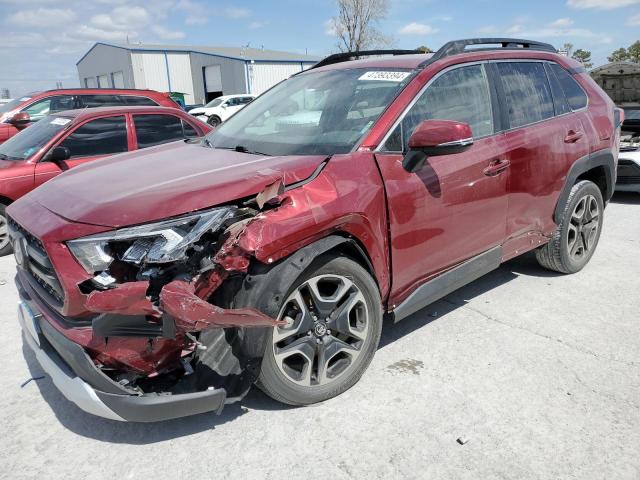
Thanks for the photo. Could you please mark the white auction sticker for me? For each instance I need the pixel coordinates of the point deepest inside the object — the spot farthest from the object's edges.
(381, 76)
(60, 121)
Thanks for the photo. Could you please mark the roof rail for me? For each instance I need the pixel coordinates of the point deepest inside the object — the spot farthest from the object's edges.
(346, 56)
(460, 46)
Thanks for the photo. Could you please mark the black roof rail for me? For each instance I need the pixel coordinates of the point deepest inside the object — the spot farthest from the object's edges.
(346, 56)
(460, 46)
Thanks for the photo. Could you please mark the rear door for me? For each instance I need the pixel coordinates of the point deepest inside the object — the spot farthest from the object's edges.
(453, 209)
(542, 140)
(97, 138)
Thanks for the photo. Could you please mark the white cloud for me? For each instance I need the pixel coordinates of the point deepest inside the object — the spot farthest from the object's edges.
(42, 17)
(86, 32)
(195, 12)
(601, 4)
(256, 25)
(415, 28)
(634, 21)
(562, 22)
(237, 12)
(167, 34)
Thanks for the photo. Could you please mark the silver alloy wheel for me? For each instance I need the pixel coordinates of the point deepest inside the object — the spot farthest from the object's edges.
(4, 233)
(583, 227)
(327, 325)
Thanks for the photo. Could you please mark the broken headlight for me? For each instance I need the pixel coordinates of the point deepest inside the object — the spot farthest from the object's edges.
(160, 242)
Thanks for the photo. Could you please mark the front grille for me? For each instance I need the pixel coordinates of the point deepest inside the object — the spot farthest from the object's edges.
(36, 263)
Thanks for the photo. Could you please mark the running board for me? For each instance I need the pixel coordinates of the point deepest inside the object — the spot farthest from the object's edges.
(448, 282)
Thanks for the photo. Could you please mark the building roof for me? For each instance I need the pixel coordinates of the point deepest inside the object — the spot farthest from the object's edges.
(236, 53)
(616, 68)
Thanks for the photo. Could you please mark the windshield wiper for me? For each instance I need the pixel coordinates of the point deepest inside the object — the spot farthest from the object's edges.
(207, 142)
(243, 149)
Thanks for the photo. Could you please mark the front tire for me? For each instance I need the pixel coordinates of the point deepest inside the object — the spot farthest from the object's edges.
(5, 244)
(574, 241)
(334, 321)
(214, 121)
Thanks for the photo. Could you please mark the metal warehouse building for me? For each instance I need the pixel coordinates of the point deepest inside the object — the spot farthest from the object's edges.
(201, 73)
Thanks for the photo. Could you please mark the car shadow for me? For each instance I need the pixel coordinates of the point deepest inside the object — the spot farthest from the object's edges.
(626, 198)
(111, 431)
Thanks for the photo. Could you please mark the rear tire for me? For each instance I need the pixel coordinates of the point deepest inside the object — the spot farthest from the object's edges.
(574, 241)
(5, 244)
(320, 353)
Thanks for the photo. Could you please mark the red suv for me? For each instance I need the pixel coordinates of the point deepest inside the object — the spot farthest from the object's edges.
(21, 112)
(272, 251)
(67, 139)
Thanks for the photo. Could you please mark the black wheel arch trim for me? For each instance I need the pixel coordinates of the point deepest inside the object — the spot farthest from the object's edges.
(602, 158)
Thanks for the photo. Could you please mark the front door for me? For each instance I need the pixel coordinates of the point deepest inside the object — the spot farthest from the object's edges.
(92, 140)
(456, 206)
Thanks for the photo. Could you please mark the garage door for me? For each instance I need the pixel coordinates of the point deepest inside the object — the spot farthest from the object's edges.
(213, 78)
(263, 76)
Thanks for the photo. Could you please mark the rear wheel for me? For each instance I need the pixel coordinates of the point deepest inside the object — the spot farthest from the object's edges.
(333, 321)
(575, 240)
(5, 245)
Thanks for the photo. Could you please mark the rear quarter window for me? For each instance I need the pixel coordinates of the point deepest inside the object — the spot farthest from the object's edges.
(576, 96)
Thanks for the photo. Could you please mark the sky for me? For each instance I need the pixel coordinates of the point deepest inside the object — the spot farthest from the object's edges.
(43, 39)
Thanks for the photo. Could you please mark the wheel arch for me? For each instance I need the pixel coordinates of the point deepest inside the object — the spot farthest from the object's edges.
(598, 167)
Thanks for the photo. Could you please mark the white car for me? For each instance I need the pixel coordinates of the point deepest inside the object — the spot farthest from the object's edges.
(629, 167)
(219, 109)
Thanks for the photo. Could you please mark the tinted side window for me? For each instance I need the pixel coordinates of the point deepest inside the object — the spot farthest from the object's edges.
(189, 131)
(157, 129)
(559, 100)
(141, 101)
(572, 90)
(527, 92)
(92, 101)
(461, 94)
(103, 136)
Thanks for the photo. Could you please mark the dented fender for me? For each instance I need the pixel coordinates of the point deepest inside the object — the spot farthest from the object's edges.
(191, 313)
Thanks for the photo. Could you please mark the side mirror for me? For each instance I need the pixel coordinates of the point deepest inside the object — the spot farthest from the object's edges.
(224, 105)
(436, 137)
(58, 156)
(20, 120)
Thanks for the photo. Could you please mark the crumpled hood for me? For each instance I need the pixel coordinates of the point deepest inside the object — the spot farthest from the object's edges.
(164, 181)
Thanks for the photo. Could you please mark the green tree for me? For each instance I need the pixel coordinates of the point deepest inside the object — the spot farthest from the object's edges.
(634, 52)
(619, 55)
(584, 57)
(424, 49)
(568, 47)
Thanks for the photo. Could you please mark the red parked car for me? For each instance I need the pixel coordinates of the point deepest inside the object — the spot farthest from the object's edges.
(23, 111)
(272, 250)
(65, 140)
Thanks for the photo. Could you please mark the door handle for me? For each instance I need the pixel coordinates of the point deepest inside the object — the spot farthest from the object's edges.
(496, 168)
(573, 136)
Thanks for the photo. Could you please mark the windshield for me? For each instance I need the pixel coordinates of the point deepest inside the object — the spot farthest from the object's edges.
(632, 114)
(30, 140)
(12, 105)
(214, 103)
(315, 113)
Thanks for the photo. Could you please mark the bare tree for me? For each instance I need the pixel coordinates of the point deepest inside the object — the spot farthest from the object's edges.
(355, 24)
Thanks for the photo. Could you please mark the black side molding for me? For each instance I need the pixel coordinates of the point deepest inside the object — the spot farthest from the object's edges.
(448, 282)
(603, 158)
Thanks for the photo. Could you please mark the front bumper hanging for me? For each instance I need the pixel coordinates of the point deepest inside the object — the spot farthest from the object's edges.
(80, 381)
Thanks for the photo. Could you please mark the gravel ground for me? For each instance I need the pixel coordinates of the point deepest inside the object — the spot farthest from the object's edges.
(539, 374)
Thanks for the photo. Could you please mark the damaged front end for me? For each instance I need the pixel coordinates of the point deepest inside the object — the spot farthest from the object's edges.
(159, 285)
